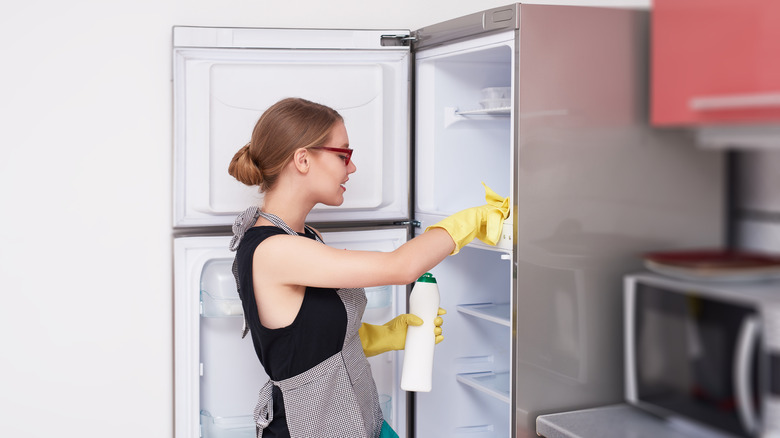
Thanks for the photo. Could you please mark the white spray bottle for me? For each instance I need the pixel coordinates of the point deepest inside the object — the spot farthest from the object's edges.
(417, 371)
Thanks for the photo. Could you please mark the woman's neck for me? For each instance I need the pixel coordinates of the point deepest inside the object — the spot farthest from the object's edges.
(288, 208)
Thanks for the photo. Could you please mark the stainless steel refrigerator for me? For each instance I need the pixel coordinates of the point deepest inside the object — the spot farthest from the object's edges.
(545, 104)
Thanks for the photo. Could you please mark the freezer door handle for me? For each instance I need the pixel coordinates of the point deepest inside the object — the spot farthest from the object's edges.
(499, 18)
(416, 224)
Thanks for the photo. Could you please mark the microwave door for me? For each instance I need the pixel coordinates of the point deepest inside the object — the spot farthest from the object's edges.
(695, 359)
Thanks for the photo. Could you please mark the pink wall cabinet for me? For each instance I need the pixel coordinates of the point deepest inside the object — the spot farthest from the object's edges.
(715, 62)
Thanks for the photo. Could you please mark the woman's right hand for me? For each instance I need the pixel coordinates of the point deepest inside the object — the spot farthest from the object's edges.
(484, 222)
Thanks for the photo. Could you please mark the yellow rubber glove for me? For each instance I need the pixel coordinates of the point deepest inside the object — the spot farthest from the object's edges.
(377, 339)
(484, 222)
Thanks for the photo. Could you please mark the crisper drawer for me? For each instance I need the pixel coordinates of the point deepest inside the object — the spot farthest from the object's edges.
(224, 79)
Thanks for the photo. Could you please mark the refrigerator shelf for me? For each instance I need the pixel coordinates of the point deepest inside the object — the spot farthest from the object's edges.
(219, 307)
(493, 384)
(452, 114)
(497, 313)
(226, 427)
(498, 111)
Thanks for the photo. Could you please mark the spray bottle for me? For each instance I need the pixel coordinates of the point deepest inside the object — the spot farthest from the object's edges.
(417, 371)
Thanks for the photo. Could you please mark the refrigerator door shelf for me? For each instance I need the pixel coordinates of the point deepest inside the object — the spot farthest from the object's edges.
(226, 427)
(379, 297)
(218, 293)
(218, 307)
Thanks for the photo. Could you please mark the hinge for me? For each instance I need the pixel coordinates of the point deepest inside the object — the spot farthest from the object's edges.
(417, 224)
(397, 40)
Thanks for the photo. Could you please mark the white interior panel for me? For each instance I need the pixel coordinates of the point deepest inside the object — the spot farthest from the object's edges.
(471, 383)
(459, 143)
(220, 93)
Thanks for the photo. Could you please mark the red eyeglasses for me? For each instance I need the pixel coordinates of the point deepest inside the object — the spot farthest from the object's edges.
(347, 152)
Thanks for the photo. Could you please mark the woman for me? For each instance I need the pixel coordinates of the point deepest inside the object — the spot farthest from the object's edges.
(303, 300)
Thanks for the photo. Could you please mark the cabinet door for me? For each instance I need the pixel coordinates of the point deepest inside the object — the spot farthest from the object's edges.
(715, 61)
(224, 79)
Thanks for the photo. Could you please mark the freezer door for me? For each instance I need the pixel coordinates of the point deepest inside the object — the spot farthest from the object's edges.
(225, 78)
(217, 373)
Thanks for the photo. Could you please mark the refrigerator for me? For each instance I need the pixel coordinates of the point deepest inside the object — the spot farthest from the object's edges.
(545, 104)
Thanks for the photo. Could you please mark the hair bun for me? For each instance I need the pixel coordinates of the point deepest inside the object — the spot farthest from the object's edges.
(243, 168)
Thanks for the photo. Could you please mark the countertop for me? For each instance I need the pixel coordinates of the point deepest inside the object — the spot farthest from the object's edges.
(614, 421)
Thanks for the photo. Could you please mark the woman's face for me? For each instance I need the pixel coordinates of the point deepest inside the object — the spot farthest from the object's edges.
(333, 169)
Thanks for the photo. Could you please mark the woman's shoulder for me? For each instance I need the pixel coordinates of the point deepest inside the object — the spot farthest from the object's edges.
(254, 236)
(264, 230)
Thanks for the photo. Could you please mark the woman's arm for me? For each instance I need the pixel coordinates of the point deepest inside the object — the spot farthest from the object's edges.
(293, 260)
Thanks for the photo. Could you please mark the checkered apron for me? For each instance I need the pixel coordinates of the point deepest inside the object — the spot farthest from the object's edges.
(337, 397)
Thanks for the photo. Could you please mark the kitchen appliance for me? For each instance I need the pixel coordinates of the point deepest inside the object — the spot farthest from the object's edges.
(705, 353)
(533, 323)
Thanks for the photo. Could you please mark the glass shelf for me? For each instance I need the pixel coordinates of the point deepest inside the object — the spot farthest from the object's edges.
(226, 427)
(493, 384)
(453, 115)
(500, 111)
(497, 313)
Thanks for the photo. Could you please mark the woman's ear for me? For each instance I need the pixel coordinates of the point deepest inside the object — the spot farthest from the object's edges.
(301, 160)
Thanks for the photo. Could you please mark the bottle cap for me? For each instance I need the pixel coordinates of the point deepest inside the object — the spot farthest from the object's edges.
(427, 278)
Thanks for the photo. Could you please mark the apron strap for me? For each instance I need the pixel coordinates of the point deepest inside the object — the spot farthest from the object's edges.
(277, 221)
(243, 222)
(264, 410)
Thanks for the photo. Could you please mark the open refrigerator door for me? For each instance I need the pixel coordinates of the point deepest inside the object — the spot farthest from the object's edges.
(464, 137)
(218, 374)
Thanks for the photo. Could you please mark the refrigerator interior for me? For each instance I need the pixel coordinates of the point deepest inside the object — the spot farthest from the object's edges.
(472, 366)
(218, 375)
(460, 143)
(224, 79)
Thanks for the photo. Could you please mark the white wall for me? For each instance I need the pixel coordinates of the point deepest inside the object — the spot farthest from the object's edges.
(85, 240)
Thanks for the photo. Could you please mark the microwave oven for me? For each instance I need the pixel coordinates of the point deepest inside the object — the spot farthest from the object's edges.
(704, 355)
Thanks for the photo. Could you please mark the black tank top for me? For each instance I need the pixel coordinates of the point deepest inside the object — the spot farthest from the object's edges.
(316, 334)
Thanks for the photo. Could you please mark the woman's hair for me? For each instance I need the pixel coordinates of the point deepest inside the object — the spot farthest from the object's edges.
(283, 128)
